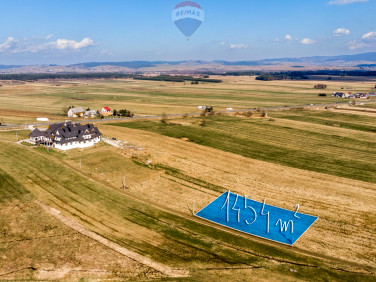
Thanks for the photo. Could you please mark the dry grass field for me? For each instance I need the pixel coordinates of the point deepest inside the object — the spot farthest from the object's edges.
(345, 206)
(36, 246)
(322, 159)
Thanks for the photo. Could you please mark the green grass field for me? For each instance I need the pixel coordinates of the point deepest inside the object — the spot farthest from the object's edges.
(338, 119)
(288, 138)
(10, 189)
(14, 135)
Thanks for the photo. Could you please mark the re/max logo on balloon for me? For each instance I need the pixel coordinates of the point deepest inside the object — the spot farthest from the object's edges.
(184, 13)
(188, 17)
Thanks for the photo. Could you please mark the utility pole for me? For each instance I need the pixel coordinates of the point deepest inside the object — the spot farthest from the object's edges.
(80, 163)
(16, 135)
(123, 182)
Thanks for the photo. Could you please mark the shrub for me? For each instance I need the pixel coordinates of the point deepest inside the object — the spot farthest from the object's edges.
(249, 114)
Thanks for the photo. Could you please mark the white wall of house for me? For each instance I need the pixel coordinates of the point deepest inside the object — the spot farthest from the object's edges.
(76, 144)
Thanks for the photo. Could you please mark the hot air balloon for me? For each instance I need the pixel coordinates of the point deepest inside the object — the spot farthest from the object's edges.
(188, 17)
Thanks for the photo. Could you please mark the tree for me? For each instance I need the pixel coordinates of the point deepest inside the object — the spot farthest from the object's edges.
(88, 109)
(164, 118)
(66, 110)
(123, 112)
(114, 112)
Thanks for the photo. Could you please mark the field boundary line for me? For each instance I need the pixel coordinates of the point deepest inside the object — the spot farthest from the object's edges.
(164, 269)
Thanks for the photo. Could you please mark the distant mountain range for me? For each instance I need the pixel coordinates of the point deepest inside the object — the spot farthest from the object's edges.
(357, 61)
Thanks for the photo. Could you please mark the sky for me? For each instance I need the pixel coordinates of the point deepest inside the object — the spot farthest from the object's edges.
(72, 31)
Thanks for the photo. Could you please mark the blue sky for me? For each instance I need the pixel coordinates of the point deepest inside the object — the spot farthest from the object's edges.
(72, 31)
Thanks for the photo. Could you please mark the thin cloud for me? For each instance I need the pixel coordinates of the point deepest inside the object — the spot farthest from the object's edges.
(345, 2)
(9, 43)
(341, 31)
(66, 44)
(238, 46)
(367, 40)
(369, 36)
(38, 44)
(307, 41)
(287, 37)
(358, 44)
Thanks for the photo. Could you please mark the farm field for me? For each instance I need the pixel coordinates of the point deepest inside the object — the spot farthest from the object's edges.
(324, 160)
(162, 235)
(35, 246)
(164, 232)
(318, 141)
(23, 103)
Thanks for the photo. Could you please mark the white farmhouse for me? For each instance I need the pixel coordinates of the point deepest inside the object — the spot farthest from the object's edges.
(76, 112)
(65, 136)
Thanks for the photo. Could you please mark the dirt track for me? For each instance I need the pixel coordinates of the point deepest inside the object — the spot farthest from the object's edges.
(141, 259)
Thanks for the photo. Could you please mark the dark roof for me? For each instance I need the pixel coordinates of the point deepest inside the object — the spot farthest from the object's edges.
(36, 133)
(68, 132)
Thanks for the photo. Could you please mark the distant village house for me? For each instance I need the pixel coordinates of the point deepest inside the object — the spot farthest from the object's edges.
(362, 95)
(76, 112)
(91, 114)
(106, 111)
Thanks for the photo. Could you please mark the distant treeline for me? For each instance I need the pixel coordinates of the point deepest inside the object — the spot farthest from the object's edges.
(30, 77)
(268, 76)
(305, 74)
(176, 78)
(294, 74)
(181, 78)
(233, 73)
(33, 77)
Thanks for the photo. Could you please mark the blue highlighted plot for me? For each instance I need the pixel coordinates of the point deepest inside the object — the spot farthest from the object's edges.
(255, 218)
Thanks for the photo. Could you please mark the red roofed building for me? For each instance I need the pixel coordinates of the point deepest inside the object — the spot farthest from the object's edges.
(106, 111)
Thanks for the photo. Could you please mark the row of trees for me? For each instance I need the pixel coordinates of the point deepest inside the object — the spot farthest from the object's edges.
(36, 76)
(176, 78)
(122, 113)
